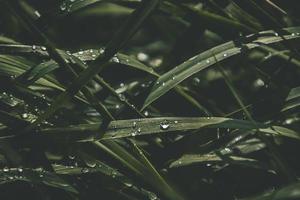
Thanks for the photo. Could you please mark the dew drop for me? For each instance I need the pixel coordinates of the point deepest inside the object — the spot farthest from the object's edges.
(5, 169)
(259, 83)
(102, 50)
(165, 125)
(134, 125)
(146, 113)
(84, 170)
(33, 47)
(196, 81)
(71, 157)
(122, 97)
(128, 184)
(20, 170)
(207, 61)
(63, 6)
(92, 165)
(139, 130)
(44, 48)
(225, 54)
(115, 59)
(24, 115)
(142, 56)
(133, 133)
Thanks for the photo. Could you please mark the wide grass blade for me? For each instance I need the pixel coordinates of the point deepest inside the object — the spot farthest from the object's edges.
(149, 126)
(210, 57)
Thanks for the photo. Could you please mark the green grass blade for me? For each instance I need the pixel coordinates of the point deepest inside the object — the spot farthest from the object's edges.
(204, 60)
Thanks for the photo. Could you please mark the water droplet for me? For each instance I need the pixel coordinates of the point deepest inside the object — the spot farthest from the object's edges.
(225, 151)
(134, 124)
(225, 54)
(259, 83)
(63, 6)
(20, 170)
(196, 81)
(293, 34)
(114, 174)
(71, 157)
(91, 164)
(142, 56)
(175, 122)
(115, 59)
(44, 48)
(163, 84)
(128, 184)
(152, 196)
(24, 115)
(5, 169)
(122, 97)
(84, 170)
(139, 130)
(165, 125)
(207, 61)
(117, 106)
(33, 47)
(156, 62)
(102, 50)
(276, 34)
(133, 133)
(146, 113)
(174, 77)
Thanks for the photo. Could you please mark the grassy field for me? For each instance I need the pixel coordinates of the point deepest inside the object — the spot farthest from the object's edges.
(149, 99)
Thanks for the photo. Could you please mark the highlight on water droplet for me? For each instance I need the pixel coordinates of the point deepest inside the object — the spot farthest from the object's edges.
(165, 125)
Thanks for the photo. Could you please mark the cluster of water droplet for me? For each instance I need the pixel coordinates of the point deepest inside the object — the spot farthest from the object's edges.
(67, 5)
(89, 54)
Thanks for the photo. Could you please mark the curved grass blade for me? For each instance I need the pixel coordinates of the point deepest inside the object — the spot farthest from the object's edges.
(36, 176)
(68, 7)
(149, 126)
(91, 54)
(212, 158)
(292, 100)
(100, 167)
(210, 57)
(289, 192)
(16, 66)
(21, 49)
(7, 40)
(146, 172)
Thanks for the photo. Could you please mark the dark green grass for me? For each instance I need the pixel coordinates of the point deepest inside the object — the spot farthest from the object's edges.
(152, 99)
